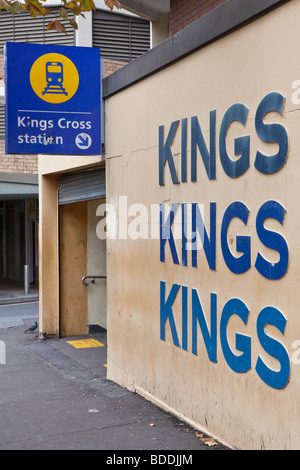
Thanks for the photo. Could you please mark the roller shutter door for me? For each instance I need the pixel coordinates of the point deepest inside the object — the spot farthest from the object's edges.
(81, 187)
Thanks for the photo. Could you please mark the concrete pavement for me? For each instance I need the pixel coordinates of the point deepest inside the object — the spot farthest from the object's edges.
(54, 395)
(15, 314)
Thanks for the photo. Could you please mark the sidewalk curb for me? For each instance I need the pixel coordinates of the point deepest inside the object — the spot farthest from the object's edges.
(20, 299)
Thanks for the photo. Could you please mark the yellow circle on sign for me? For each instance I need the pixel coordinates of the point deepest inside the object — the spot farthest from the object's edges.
(54, 78)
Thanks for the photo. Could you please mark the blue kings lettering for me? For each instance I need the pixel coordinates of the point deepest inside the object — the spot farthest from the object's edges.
(240, 361)
(237, 265)
(211, 233)
(268, 133)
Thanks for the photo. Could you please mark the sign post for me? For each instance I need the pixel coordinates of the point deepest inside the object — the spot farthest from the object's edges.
(52, 100)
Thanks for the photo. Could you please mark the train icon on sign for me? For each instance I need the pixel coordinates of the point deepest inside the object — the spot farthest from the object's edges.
(54, 78)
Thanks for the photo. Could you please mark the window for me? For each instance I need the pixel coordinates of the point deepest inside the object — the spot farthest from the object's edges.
(120, 37)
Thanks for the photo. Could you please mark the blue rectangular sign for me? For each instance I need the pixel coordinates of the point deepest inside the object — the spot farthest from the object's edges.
(52, 99)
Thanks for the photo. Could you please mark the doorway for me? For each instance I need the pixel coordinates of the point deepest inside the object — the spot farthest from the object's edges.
(19, 240)
(96, 266)
(81, 253)
(1, 239)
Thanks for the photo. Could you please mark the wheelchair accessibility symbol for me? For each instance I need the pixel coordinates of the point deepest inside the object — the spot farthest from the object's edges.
(54, 78)
(83, 141)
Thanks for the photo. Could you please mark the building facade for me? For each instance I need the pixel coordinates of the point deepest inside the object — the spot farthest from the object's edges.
(199, 211)
(121, 37)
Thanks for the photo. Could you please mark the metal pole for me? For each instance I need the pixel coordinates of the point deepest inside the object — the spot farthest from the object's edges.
(26, 279)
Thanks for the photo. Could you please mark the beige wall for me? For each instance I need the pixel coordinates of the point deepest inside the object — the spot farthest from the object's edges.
(48, 256)
(238, 408)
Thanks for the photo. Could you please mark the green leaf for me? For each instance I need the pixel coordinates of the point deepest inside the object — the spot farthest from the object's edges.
(73, 7)
(15, 8)
(87, 5)
(35, 8)
(63, 13)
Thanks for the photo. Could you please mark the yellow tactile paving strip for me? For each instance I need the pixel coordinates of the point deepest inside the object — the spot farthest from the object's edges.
(86, 343)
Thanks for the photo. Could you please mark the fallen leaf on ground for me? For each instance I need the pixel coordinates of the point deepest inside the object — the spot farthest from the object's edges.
(208, 441)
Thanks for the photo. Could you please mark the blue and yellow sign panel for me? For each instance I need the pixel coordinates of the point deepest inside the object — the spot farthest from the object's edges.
(52, 99)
